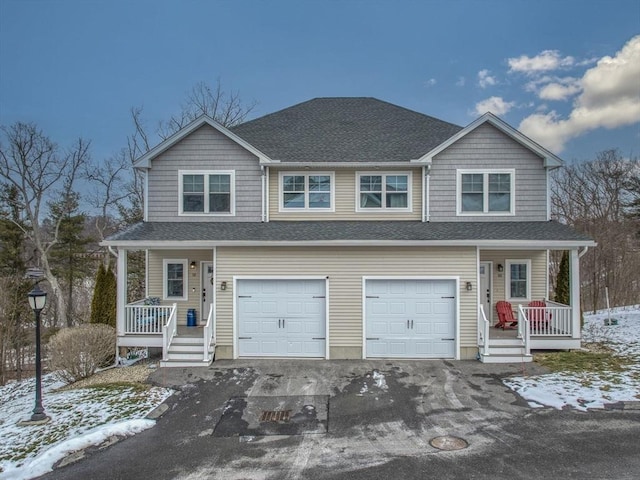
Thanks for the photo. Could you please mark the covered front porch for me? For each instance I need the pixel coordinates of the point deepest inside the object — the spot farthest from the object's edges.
(534, 321)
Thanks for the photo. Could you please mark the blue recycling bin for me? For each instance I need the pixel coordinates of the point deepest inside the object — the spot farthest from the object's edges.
(191, 317)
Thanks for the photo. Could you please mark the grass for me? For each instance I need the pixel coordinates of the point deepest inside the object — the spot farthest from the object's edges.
(597, 359)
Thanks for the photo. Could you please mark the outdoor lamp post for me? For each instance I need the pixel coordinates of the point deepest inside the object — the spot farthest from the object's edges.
(37, 301)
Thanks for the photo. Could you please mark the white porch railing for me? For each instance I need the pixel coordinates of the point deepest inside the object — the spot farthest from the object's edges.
(483, 331)
(524, 332)
(145, 319)
(169, 331)
(554, 320)
(209, 333)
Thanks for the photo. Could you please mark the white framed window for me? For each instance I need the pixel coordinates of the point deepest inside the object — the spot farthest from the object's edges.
(518, 279)
(307, 191)
(389, 191)
(174, 279)
(486, 192)
(206, 192)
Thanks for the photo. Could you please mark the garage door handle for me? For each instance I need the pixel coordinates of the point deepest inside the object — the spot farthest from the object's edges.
(447, 297)
(443, 339)
(372, 338)
(245, 338)
(371, 296)
(319, 338)
(319, 297)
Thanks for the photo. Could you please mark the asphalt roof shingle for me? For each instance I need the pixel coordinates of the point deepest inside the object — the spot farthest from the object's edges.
(345, 129)
(347, 231)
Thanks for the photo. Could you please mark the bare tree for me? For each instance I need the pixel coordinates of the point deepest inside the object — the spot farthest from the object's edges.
(595, 198)
(34, 165)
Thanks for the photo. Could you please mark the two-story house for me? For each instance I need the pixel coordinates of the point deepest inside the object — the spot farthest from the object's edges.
(345, 228)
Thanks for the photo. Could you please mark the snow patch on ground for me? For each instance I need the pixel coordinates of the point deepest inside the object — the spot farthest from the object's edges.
(590, 390)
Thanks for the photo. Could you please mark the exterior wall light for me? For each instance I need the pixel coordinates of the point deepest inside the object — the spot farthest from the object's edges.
(500, 268)
(469, 286)
(223, 285)
(192, 265)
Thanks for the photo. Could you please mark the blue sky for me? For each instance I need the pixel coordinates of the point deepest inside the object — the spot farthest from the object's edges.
(565, 72)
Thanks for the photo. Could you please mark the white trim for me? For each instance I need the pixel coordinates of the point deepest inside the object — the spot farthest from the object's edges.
(384, 174)
(427, 192)
(548, 180)
(215, 292)
(145, 160)
(550, 160)
(121, 287)
(485, 191)
(268, 193)
(263, 188)
(455, 278)
(145, 196)
(206, 174)
(185, 287)
(574, 281)
(146, 272)
(235, 326)
(507, 278)
(486, 244)
(306, 175)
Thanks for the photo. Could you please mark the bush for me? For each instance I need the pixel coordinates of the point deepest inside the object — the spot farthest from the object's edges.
(76, 353)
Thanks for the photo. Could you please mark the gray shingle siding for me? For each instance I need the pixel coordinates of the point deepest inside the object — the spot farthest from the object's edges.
(204, 149)
(488, 148)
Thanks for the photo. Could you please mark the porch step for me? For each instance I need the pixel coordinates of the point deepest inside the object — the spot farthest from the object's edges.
(187, 352)
(506, 352)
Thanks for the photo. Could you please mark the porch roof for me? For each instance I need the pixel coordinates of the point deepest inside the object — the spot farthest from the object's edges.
(550, 234)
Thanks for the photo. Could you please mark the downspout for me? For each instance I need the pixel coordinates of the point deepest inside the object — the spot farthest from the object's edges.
(581, 254)
(112, 251)
(264, 196)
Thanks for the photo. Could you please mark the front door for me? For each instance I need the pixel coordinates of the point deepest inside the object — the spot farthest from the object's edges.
(485, 289)
(207, 288)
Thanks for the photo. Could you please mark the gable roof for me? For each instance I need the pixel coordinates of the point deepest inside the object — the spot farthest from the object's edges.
(345, 129)
(550, 160)
(145, 160)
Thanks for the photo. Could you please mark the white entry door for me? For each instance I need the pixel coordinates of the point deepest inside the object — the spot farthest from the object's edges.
(206, 281)
(486, 289)
(281, 318)
(410, 318)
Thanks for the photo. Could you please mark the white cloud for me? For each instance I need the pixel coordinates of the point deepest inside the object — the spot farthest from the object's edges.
(461, 81)
(560, 89)
(545, 61)
(610, 98)
(495, 105)
(430, 83)
(485, 79)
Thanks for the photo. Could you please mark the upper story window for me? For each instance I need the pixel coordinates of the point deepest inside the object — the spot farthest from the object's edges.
(207, 193)
(486, 192)
(306, 191)
(384, 191)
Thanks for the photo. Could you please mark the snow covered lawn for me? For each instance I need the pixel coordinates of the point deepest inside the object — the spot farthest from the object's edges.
(584, 390)
(79, 418)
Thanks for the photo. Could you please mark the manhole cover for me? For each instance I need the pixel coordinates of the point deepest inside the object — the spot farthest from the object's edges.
(275, 415)
(448, 442)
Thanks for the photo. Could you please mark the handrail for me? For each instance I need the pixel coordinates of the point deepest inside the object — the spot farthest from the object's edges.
(169, 331)
(524, 330)
(483, 331)
(209, 334)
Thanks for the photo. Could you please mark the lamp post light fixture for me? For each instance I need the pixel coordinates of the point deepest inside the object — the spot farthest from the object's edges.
(37, 301)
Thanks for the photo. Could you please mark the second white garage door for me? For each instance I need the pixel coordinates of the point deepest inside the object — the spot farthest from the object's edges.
(281, 318)
(410, 318)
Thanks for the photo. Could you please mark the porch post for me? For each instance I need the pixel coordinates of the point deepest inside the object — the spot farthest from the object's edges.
(574, 276)
(121, 281)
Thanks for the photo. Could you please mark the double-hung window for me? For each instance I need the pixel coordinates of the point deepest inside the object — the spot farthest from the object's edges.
(175, 279)
(206, 193)
(384, 191)
(306, 191)
(518, 279)
(486, 192)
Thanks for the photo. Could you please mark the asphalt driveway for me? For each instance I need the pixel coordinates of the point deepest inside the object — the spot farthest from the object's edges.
(286, 419)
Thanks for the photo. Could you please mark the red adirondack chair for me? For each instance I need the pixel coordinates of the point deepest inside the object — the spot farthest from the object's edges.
(506, 319)
(538, 315)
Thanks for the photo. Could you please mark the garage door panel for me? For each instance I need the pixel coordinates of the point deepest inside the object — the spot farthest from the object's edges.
(281, 317)
(409, 318)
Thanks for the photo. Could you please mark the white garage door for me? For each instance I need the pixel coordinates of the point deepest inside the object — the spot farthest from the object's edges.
(410, 318)
(281, 318)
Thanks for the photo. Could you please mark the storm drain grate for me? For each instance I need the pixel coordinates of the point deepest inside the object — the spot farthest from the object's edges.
(275, 415)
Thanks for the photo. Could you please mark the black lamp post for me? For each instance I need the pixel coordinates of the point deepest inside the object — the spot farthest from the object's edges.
(37, 301)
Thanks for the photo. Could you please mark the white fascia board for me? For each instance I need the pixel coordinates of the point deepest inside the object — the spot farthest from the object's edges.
(314, 165)
(550, 160)
(145, 160)
(485, 244)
